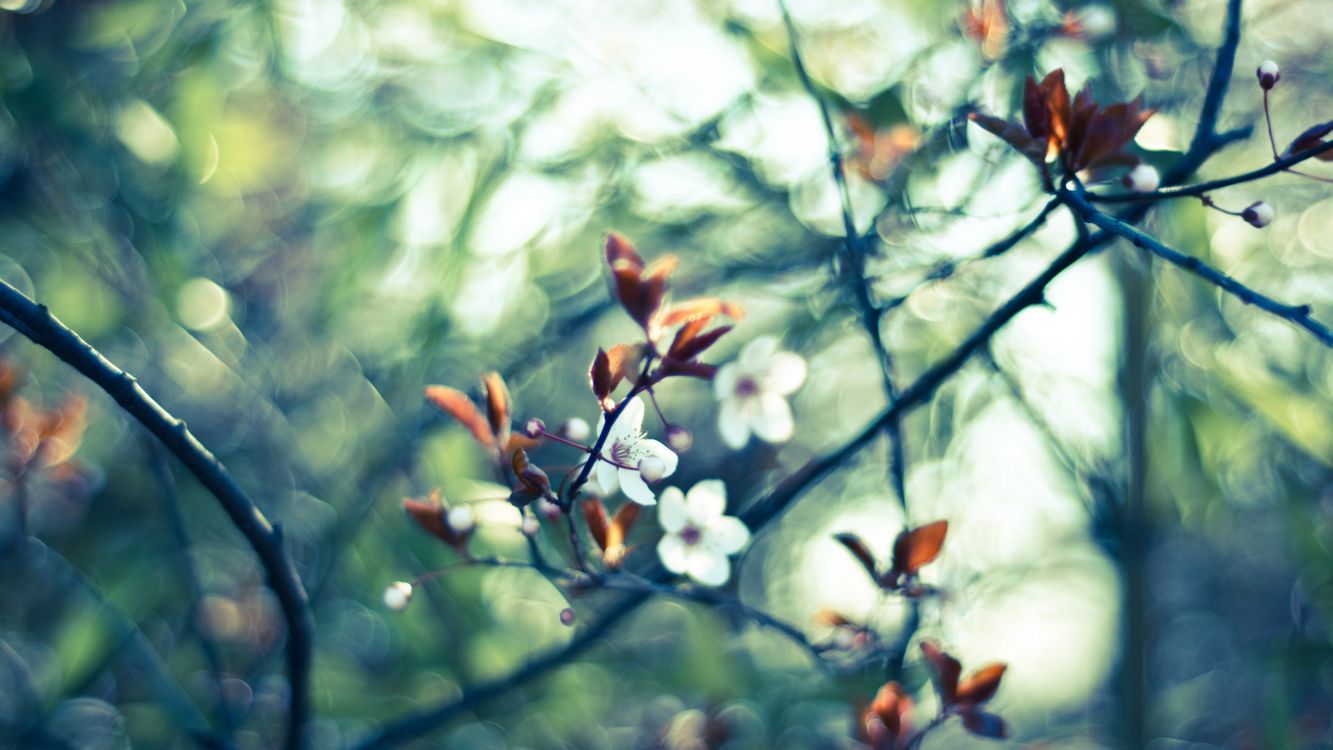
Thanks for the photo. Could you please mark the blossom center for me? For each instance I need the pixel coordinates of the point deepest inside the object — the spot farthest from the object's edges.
(622, 452)
(690, 535)
(746, 387)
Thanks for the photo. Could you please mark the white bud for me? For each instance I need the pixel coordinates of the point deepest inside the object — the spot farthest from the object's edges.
(679, 438)
(1258, 215)
(1268, 74)
(461, 519)
(398, 595)
(576, 429)
(651, 468)
(548, 509)
(531, 526)
(534, 428)
(1143, 179)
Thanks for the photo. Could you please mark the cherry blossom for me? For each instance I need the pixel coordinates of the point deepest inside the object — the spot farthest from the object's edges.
(699, 535)
(753, 391)
(626, 447)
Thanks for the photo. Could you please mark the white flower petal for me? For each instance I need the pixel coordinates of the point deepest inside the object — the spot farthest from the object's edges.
(630, 421)
(724, 381)
(773, 422)
(657, 448)
(635, 488)
(606, 476)
(706, 502)
(786, 373)
(671, 510)
(708, 568)
(674, 553)
(726, 535)
(757, 355)
(732, 424)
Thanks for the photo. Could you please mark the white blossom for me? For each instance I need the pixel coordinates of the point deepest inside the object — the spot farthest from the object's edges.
(398, 595)
(626, 446)
(753, 391)
(699, 536)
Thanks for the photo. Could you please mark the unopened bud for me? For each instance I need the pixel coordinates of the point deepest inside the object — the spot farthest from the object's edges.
(651, 468)
(534, 428)
(679, 438)
(1268, 74)
(531, 526)
(1143, 179)
(548, 509)
(1258, 215)
(461, 519)
(398, 595)
(567, 616)
(576, 429)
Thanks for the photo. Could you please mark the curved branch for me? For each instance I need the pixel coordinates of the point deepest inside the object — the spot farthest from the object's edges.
(1197, 190)
(1298, 314)
(38, 324)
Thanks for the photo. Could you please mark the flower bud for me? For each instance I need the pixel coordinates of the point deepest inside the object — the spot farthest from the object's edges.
(534, 428)
(1258, 215)
(651, 468)
(679, 438)
(567, 616)
(461, 519)
(531, 526)
(547, 509)
(1143, 179)
(1268, 74)
(576, 429)
(398, 595)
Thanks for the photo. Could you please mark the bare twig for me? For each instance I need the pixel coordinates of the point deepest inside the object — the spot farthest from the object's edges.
(38, 324)
(1298, 314)
(1197, 190)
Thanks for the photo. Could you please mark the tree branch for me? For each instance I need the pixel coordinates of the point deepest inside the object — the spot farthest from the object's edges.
(1188, 191)
(1298, 314)
(37, 323)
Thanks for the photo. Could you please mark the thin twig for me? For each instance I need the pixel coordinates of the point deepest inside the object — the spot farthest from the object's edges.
(1298, 314)
(38, 324)
(1198, 190)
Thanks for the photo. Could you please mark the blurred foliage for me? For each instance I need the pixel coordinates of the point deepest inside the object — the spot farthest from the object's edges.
(286, 218)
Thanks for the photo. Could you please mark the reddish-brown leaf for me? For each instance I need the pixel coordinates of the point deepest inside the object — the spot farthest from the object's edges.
(1311, 138)
(702, 307)
(946, 668)
(1013, 134)
(601, 376)
(429, 515)
(891, 705)
(988, 24)
(916, 547)
(690, 342)
(980, 686)
(595, 514)
(985, 724)
(689, 369)
(620, 253)
(622, 523)
(531, 477)
(859, 550)
(456, 404)
(498, 406)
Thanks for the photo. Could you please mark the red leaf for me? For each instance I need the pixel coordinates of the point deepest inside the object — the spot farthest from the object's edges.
(498, 406)
(601, 377)
(690, 343)
(595, 515)
(1013, 134)
(891, 705)
(620, 253)
(980, 686)
(946, 668)
(532, 478)
(456, 404)
(1311, 138)
(690, 369)
(916, 547)
(859, 550)
(983, 724)
(703, 307)
(429, 515)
